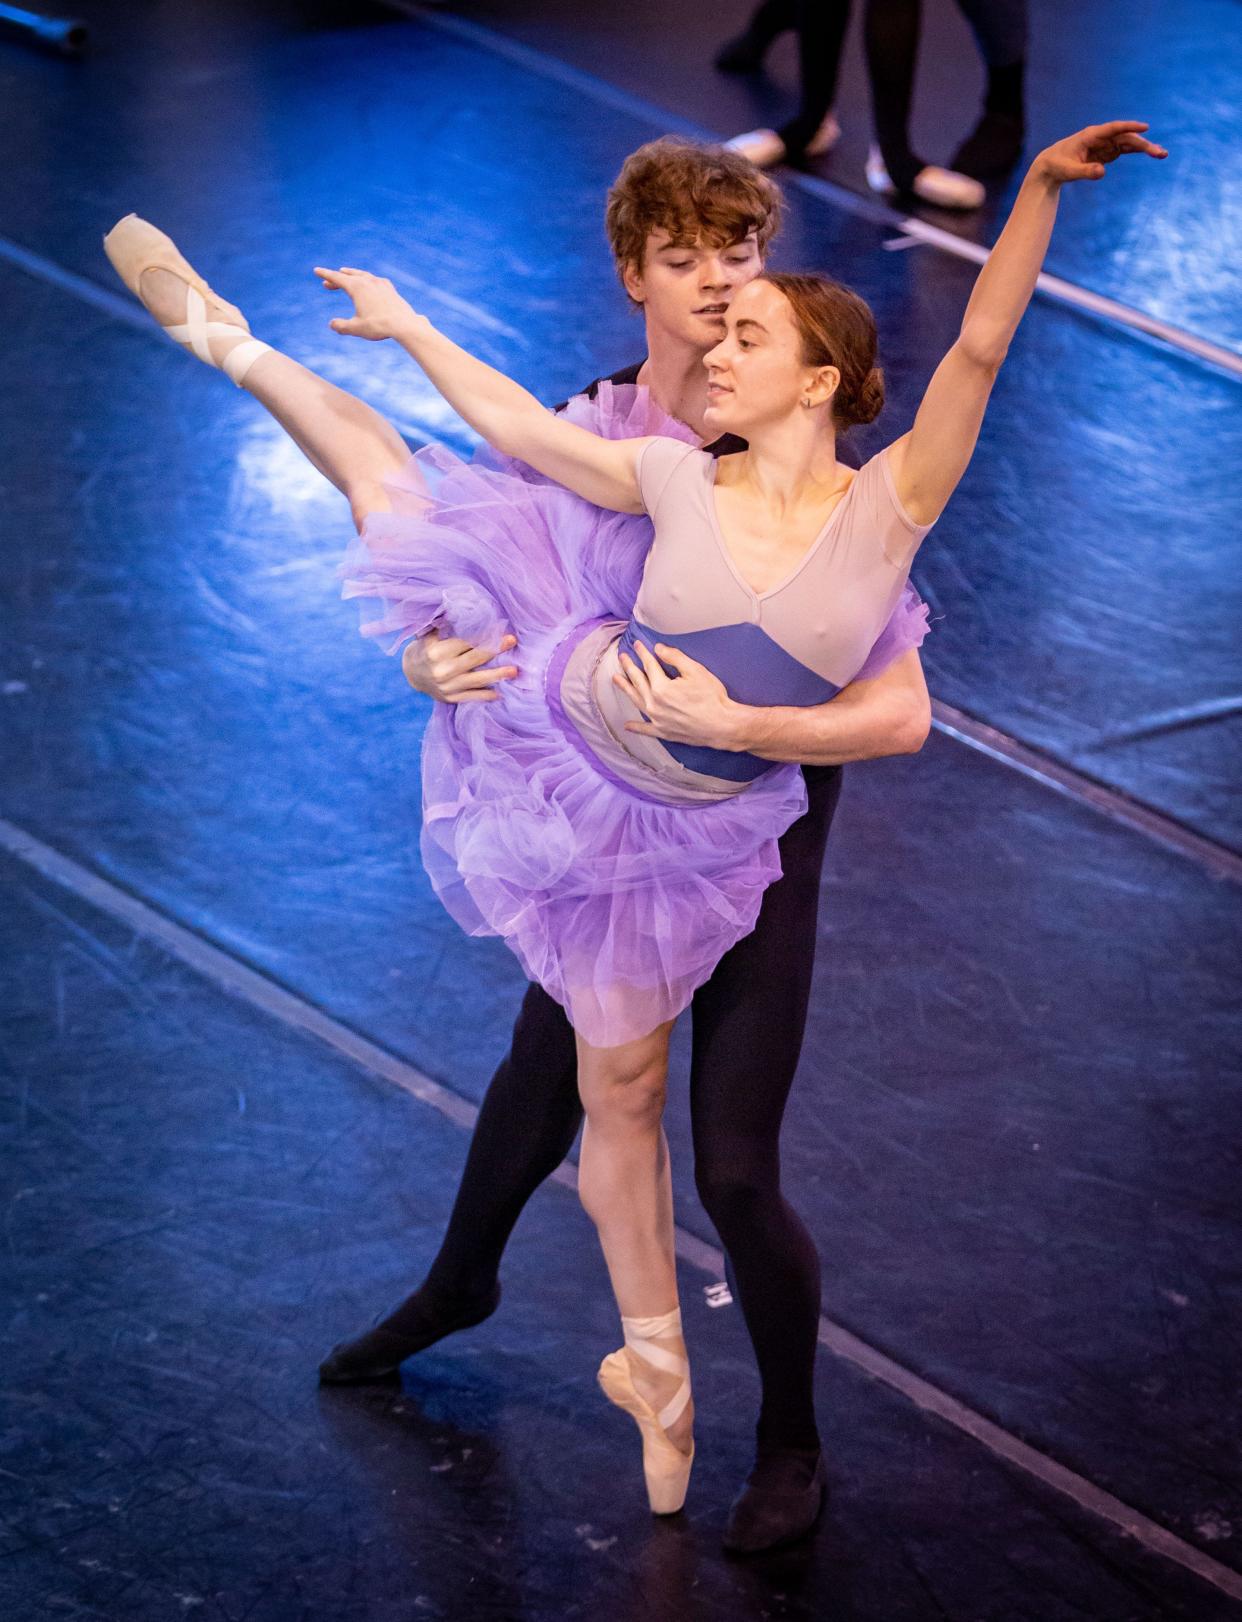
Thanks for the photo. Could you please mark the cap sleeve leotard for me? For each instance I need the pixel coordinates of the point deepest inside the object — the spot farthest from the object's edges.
(798, 643)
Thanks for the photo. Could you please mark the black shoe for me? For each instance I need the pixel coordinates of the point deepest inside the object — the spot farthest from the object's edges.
(780, 1503)
(991, 149)
(417, 1323)
(742, 55)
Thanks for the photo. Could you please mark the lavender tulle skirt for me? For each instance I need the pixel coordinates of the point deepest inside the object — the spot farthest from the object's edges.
(619, 904)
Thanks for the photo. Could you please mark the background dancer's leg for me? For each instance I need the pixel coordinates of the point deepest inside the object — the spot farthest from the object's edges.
(527, 1123)
(891, 35)
(995, 144)
(821, 36)
(745, 52)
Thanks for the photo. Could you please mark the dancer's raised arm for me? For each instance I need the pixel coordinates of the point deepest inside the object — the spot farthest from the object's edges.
(928, 462)
(510, 418)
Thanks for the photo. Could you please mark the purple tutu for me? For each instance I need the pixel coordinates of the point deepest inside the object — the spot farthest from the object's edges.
(619, 905)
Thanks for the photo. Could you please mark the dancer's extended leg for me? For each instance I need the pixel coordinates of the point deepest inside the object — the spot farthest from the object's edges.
(349, 442)
(625, 1186)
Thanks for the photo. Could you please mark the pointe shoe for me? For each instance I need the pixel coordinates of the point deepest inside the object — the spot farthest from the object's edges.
(666, 1469)
(944, 188)
(134, 245)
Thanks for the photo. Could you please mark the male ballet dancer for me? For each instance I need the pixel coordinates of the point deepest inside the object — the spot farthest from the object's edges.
(688, 226)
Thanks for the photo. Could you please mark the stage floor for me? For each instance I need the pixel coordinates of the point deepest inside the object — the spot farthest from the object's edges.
(242, 1041)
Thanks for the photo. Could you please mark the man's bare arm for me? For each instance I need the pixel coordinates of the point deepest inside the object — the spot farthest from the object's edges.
(889, 714)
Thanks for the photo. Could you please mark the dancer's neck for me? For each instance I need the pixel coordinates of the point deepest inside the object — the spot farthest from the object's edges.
(788, 465)
(677, 379)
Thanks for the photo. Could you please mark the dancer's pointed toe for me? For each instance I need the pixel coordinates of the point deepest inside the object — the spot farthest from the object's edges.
(134, 247)
(666, 1463)
(666, 1469)
(780, 1503)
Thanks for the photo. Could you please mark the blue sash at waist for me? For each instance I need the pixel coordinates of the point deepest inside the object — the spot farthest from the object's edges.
(754, 669)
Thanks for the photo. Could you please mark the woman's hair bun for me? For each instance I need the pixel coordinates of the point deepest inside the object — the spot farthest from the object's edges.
(837, 329)
(869, 402)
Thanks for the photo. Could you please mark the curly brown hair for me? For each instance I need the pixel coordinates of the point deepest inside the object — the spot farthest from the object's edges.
(695, 192)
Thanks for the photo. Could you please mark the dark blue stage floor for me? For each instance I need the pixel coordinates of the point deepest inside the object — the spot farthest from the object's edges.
(1016, 1127)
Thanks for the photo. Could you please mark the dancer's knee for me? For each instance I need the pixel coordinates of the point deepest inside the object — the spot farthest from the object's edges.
(623, 1088)
(629, 1098)
(733, 1188)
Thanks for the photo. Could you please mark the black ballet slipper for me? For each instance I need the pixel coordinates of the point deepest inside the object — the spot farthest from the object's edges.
(780, 1503)
(420, 1321)
(992, 148)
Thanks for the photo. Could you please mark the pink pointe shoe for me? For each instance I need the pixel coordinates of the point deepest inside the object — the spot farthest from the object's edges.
(666, 1468)
(134, 246)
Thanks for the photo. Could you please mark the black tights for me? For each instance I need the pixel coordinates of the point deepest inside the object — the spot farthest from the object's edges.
(891, 36)
(747, 1035)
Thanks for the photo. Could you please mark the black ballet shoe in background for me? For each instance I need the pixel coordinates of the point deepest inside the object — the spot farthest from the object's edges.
(780, 1503)
(992, 148)
(422, 1319)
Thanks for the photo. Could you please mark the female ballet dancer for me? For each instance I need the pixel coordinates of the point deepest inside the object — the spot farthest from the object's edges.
(613, 865)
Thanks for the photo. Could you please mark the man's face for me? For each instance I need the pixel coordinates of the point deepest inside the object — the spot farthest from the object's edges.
(685, 291)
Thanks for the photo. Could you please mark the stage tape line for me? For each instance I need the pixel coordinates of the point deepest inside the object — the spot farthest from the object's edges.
(1215, 859)
(599, 90)
(251, 986)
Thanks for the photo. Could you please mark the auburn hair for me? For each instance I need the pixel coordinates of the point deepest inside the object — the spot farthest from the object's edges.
(837, 329)
(695, 192)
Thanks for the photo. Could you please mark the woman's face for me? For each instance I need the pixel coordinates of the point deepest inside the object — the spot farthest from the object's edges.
(756, 373)
(686, 291)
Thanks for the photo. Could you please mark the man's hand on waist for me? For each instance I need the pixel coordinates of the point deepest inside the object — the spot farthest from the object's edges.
(449, 670)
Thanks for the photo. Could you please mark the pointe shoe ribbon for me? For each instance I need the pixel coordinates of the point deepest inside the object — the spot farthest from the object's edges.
(135, 246)
(666, 1469)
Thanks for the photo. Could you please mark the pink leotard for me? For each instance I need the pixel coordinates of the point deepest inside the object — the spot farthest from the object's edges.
(798, 643)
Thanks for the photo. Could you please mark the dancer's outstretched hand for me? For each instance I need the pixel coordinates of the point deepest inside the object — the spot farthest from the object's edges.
(379, 310)
(1086, 155)
(691, 707)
